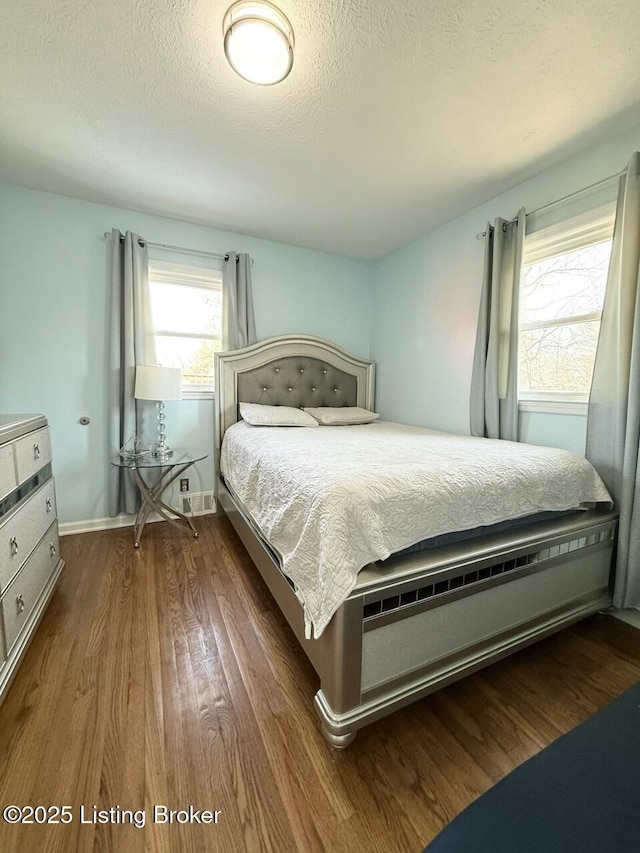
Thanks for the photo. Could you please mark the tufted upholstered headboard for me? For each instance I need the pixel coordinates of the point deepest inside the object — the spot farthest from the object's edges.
(298, 380)
(291, 370)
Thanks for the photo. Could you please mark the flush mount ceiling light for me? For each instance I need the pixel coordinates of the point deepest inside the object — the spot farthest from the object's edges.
(258, 42)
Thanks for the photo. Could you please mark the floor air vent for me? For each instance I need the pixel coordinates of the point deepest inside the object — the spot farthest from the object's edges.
(197, 503)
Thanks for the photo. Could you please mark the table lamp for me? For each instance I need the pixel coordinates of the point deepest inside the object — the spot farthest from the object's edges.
(159, 384)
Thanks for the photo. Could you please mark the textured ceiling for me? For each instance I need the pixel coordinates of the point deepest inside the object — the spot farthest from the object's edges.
(398, 115)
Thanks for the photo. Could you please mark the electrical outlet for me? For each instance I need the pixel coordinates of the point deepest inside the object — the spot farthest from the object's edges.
(184, 484)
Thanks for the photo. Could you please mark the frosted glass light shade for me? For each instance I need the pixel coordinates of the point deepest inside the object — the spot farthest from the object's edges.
(158, 383)
(258, 42)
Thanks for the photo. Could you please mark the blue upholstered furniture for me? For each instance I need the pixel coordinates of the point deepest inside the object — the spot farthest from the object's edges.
(579, 795)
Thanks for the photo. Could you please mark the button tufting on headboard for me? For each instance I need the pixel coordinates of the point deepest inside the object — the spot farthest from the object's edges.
(297, 381)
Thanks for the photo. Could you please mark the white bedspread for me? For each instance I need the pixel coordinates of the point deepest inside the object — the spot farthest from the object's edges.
(333, 499)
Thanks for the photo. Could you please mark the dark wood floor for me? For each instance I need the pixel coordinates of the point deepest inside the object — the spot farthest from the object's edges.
(166, 676)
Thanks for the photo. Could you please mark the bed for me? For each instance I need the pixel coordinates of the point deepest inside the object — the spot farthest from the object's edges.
(412, 619)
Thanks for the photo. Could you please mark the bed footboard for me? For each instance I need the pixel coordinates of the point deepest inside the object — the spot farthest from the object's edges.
(425, 626)
(419, 622)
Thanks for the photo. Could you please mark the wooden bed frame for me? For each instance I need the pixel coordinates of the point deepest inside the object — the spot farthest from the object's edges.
(420, 621)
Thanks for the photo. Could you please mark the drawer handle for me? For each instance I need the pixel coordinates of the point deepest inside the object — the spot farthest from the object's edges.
(48, 504)
(13, 544)
(36, 451)
(19, 604)
(52, 548)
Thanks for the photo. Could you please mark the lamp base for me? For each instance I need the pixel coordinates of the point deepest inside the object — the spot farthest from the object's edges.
(162, 452)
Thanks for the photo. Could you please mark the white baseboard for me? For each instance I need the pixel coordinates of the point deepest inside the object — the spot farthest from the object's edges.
(68, 528)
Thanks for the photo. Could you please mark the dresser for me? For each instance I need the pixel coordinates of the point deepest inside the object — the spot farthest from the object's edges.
(30, 563)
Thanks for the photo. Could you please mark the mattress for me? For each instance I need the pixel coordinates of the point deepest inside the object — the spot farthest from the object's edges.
(490, 530)
(331, 500)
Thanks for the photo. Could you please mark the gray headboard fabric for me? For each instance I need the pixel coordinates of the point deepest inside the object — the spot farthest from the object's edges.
(298, 380)
(290, 370)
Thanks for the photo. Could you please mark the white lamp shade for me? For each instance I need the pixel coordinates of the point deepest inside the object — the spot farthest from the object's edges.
(158, 383)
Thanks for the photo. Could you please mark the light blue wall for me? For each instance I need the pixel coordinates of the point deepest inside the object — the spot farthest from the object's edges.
(53, 323)
(553, 430)
(414, 312)
(426, 306)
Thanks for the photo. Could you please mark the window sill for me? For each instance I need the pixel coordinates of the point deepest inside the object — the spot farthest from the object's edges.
(191, 393)
(554, 407)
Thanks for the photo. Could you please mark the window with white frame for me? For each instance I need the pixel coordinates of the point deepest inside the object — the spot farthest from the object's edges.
(186, 309)
(562, 288)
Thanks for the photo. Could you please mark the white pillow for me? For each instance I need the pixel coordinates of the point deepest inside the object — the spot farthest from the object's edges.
(259, 415)
(342, 415)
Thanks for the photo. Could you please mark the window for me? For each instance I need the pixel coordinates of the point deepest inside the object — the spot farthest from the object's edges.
(186, 308)
(562, 290)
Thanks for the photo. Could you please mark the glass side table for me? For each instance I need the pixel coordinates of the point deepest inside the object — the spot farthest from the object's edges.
(167, 470)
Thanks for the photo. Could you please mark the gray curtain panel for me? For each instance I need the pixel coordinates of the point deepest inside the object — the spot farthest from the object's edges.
(494, 382)
(131, 342)
(238, 320)
(613, 421)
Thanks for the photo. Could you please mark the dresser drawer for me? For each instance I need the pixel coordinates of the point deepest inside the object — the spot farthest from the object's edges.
(7, 470)
(23, 529)
(33, 452)
(20, 598)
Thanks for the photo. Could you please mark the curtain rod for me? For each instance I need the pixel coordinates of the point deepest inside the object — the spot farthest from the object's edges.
(551, 204)
(180, 249)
